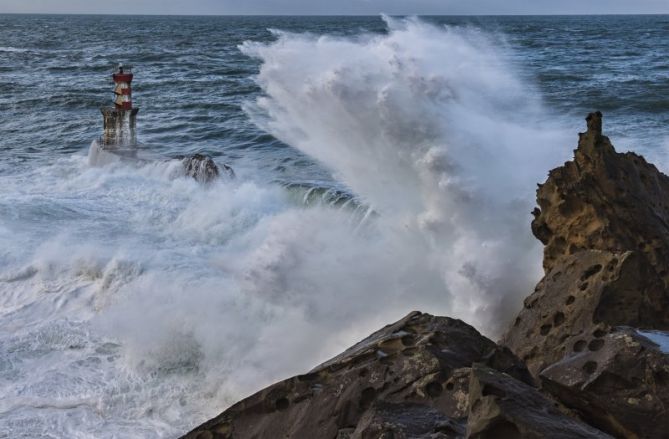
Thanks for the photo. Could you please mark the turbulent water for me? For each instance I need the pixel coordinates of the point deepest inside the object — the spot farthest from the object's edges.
(383, 165)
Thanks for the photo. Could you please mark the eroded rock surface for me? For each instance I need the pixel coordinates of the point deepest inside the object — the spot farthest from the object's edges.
(419, 365)
(620, 384)
(603, 218)
(501, 407)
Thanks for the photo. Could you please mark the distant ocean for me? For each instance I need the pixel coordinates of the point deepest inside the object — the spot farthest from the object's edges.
(383, 165)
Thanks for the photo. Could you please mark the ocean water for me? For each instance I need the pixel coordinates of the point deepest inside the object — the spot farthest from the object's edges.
(383, 165)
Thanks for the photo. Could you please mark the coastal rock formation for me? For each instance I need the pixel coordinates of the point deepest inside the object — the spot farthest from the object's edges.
(604, 220)
(620, 384)
(203, 168)
(501, 407)
(572, 364)
(419, 366)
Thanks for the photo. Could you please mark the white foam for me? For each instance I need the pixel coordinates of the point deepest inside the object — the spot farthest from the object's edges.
(172, 299)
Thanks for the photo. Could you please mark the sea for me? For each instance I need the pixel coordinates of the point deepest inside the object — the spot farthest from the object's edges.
(383, 165)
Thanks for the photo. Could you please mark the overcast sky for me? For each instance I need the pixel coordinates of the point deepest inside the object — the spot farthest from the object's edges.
(420, 7)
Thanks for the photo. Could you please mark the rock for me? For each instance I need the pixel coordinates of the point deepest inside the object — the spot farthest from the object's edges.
(419, 364)
(620, 384)
(579, 300)
(203, 168)
(406, 420)
(608, 201)
(604, 220)
(501, 407)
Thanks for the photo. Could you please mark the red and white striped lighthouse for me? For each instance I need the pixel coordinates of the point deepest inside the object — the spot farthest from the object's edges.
(123, 89)
(119, 120)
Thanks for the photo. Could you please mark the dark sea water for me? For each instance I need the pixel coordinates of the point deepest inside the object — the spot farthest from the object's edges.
(138, 303)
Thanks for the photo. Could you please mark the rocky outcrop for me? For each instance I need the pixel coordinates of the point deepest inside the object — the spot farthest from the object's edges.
(203, 168)
(410, 379)
(572, 364)
(604, 220)
(501, 407)
(619, 384)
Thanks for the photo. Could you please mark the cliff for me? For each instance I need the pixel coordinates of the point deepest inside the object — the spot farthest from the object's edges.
(572, 365)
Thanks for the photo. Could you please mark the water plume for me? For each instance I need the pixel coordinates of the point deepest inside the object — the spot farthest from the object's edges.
(432, 127)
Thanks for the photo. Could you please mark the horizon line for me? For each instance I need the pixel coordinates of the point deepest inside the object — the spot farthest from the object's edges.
(332, 15)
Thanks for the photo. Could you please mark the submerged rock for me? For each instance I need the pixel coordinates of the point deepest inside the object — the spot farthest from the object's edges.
(203, 168)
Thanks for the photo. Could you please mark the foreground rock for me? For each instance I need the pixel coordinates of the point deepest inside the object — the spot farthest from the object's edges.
(604, 220)
(620, 384)
(503, 408)
(410, 379)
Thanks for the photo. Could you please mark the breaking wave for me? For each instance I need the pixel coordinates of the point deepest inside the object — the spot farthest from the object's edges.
(155, 301)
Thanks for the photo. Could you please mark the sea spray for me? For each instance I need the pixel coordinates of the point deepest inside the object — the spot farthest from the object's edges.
(139, 304)
(432, 127)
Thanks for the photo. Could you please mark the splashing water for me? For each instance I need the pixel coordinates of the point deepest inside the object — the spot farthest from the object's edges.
(154, 302)
(433, 128)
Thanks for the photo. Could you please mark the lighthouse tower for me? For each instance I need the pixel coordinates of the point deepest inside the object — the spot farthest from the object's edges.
(119, 120)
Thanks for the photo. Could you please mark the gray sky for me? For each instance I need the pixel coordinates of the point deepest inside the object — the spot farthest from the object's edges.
(437, 7)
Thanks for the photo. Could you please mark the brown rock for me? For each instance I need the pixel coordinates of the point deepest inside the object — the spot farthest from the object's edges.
(419, 364)
(579, 300)
(406, 420)
(604, 220)
(619, 383)
(604, 200)
(501, 407)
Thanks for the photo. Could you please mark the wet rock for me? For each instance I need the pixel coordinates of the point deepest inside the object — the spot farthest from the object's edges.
(203, 168)
(501, 407)
(619, 383)
(420, 363)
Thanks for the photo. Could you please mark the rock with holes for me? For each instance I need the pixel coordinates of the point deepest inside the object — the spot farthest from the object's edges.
(619, 383)
(613, 202)
(419, 364)
(579, 300)
(604, 220)
(501, 407)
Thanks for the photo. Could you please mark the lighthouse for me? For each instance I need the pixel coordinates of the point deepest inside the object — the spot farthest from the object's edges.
(119, 120)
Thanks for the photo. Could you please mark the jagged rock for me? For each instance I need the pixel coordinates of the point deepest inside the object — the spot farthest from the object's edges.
(419, 364)
(604, 200)
(501, 407)
(203, 168)
(619, 384)
(604, 221)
